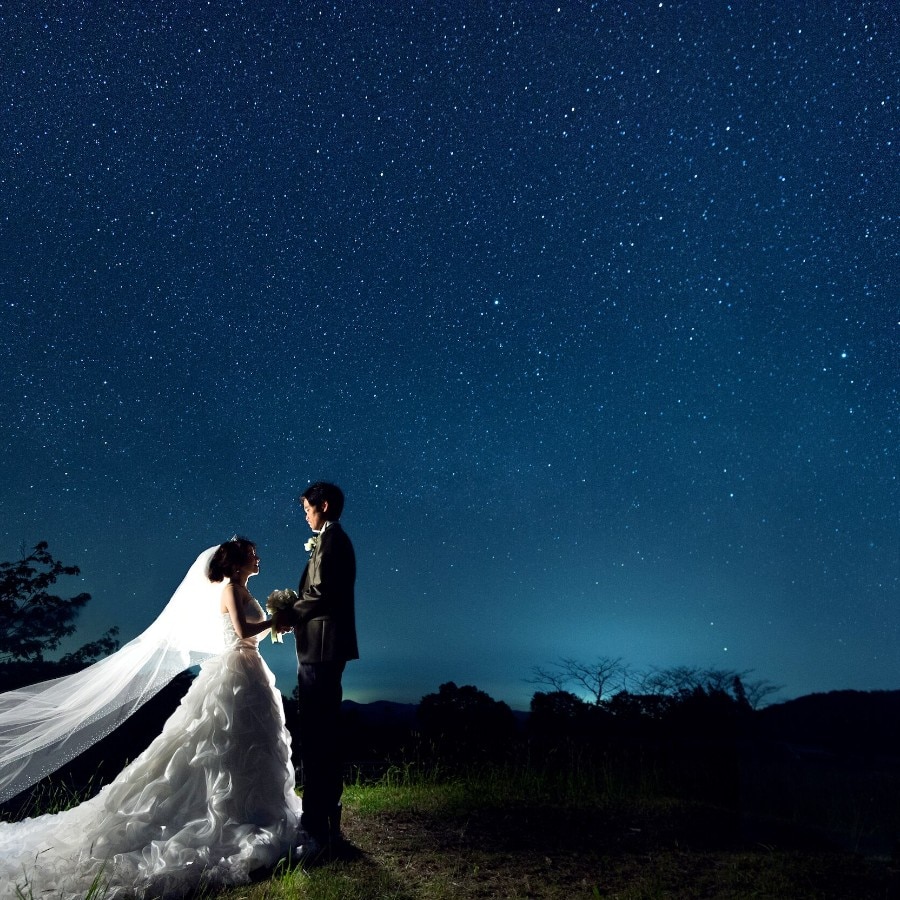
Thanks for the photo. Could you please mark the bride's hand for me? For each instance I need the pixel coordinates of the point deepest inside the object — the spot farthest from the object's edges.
(280, 622)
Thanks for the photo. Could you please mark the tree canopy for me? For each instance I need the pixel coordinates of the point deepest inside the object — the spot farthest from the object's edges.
(467, 722)
(601, 682)
(34, 621)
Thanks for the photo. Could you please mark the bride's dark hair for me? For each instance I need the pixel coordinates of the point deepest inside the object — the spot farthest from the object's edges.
(229, 557)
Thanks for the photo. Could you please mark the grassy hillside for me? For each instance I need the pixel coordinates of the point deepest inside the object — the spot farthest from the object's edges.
(502, 834)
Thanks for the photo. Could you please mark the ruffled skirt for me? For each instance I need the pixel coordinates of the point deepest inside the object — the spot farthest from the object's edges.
(208, 802)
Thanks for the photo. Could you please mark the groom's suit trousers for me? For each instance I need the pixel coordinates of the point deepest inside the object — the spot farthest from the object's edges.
(322, 773)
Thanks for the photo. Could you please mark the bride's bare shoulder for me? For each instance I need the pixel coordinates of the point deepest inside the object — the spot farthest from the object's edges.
(233, 595)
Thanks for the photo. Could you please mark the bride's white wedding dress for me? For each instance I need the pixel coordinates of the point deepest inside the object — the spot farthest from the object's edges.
(210, 800)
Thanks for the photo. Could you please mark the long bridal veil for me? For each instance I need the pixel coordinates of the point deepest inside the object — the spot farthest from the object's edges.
(45, 725)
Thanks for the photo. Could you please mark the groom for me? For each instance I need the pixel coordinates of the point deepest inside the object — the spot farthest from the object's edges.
(325, 631)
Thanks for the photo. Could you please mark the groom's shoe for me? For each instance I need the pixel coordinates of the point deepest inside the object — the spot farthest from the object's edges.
(309, 851)
(338, 846)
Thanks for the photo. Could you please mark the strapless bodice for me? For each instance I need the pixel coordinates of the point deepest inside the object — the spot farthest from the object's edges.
(232, 641)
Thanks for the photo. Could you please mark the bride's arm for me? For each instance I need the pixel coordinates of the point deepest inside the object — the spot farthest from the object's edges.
(233, 603)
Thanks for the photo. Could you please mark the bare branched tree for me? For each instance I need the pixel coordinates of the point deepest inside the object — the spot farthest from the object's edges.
(672, 682)
(758, 691)
(596, 681)
(555, 679)
(599, 681)
(681, 680)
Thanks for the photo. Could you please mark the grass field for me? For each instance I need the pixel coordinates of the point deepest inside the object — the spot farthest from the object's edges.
(509, 835)
(504, 832)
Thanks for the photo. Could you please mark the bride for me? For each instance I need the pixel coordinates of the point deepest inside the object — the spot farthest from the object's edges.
(210, 800)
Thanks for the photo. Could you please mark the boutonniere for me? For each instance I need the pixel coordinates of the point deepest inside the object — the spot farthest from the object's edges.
(310, 545)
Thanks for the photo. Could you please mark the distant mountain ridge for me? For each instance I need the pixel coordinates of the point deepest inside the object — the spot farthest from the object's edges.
(381, 712)
(836, 721)
(390, 712)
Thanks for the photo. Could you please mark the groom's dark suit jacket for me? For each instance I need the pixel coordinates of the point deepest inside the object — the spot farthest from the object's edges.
(324, 616)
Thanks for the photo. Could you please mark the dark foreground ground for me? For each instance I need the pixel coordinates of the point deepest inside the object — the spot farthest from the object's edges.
(546, 852)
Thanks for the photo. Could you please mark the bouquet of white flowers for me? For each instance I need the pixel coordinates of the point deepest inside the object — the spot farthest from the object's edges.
(276, 601)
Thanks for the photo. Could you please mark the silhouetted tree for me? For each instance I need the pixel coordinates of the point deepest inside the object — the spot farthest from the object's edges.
(604, 684)
(596, 680)
(558, 706)
(758, 691)
(464, 723)
(681, 682)
(628, 707)
(706, 713)
(34, 621)
(560, 714)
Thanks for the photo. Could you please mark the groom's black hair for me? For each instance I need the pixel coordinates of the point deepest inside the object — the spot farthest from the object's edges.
(320, 491)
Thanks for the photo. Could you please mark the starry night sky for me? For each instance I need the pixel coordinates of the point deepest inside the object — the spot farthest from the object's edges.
(592, 310)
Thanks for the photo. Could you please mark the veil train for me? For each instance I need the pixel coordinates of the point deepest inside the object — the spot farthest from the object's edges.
(43, 726)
